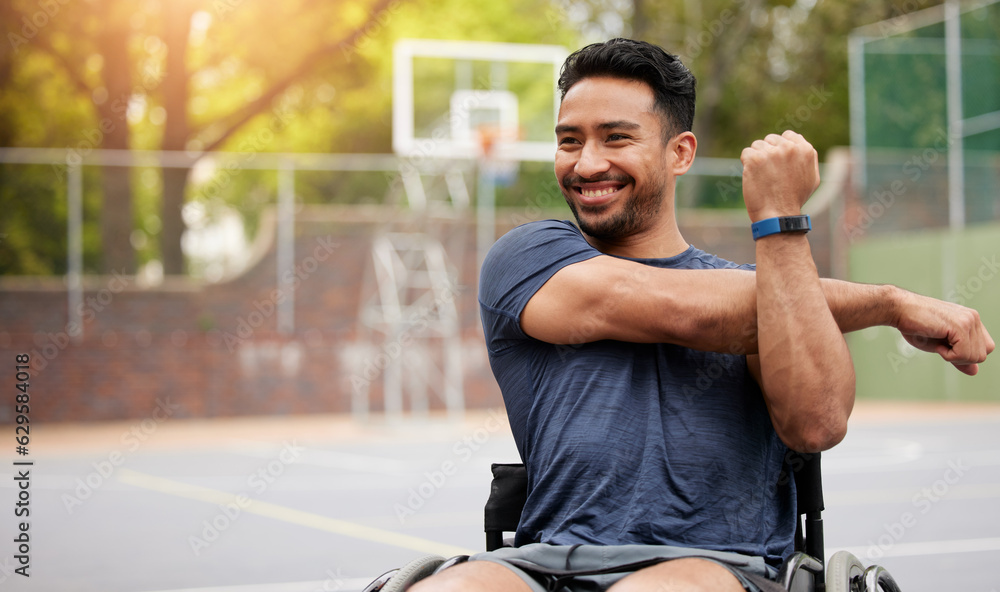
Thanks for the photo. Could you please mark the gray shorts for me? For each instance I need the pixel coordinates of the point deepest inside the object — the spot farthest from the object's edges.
(552, 568)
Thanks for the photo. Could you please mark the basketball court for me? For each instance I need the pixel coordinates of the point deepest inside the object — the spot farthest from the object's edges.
(327, 503)
(324, 503)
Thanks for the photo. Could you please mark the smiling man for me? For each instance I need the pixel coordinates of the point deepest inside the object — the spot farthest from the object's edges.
(654, 390)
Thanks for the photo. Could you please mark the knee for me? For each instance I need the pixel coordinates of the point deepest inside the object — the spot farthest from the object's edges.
(473, 576)
(437, 583)
(680, 575)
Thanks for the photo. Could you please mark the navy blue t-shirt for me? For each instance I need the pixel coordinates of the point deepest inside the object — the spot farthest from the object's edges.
(630, 443)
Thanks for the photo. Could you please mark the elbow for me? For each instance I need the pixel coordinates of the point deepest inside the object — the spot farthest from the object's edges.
(815, 438)
(820, 429)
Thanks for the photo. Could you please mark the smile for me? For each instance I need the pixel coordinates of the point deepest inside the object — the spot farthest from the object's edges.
(598, 192)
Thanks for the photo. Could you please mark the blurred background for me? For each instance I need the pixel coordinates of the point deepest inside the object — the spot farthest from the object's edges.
(255, 214)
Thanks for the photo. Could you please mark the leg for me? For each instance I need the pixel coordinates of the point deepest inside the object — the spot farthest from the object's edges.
(680, 575)
(473, 576)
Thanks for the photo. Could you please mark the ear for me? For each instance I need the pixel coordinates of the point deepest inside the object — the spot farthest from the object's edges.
(683, 145)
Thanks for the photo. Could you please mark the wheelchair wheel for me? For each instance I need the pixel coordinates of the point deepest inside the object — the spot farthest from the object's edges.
(412, 572)
(878, 579)
(845, 573)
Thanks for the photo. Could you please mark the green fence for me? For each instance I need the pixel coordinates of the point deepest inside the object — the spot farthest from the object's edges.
(925, 116)
(962, 268)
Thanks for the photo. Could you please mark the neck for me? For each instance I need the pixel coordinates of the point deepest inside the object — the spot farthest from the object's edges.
(660, 240)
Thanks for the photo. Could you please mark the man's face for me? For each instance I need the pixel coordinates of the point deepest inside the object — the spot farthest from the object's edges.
(611, 163)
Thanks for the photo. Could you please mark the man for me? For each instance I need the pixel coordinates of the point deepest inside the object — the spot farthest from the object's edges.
(654, 390)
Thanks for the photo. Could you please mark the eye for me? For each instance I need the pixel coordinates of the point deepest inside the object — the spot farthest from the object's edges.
(617, 137)
(567, 140)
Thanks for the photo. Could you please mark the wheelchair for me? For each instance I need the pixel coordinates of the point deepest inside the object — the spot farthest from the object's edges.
(803, 571)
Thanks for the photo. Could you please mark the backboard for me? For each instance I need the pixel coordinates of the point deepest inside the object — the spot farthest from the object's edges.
(445, 92)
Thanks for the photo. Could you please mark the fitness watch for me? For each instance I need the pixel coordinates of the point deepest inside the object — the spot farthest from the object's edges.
(767, 226)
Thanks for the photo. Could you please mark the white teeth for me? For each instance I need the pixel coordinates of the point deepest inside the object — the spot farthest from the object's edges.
(598, 193)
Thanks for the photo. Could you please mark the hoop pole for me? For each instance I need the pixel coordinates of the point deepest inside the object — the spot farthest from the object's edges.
(956, 155)
(286, 247)
(74, 272)
(485, 212)
(856, 71)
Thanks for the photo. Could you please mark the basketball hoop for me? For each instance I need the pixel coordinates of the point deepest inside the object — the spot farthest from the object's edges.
(495, 140)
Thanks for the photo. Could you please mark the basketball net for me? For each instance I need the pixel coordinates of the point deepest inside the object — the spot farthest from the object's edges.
(491, 137)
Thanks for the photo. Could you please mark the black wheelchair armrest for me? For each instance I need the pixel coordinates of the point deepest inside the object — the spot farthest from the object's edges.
(508, 493)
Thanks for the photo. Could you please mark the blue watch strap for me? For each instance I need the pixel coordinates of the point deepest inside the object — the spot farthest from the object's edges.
(767, 226)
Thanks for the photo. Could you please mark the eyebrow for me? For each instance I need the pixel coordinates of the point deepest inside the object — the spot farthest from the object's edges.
(606, 126)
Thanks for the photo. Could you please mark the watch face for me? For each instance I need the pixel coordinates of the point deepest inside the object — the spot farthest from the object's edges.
(780, 224)
(794, 223)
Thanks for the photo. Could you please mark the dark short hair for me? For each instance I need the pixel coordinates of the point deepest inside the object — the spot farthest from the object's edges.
(672, 83)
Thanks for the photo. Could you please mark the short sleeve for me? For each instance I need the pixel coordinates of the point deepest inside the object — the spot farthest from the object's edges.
(516, 267)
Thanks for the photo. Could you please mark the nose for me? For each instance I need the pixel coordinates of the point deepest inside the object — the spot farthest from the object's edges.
(592, 161)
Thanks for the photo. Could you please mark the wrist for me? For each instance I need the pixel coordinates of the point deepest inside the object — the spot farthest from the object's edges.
(894, 298)
(765, 213)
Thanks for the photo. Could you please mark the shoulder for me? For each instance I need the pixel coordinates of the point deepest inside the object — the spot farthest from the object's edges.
(526, 257)
(548, 240)
(541, 231)
(699, 259)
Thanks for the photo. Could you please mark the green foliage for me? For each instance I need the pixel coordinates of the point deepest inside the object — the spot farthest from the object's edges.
(326, 98)
(763, 66)
(33, 226)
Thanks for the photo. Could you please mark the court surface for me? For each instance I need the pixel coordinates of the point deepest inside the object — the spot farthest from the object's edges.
(322, 504)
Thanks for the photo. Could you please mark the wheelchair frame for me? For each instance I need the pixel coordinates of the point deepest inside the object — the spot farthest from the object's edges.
(803, 571)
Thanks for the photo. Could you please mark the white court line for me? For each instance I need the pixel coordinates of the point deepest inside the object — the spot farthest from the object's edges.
(930, 548)
(861, 497)
(290, 515)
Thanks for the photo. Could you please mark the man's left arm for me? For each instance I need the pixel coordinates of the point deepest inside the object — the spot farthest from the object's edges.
(803, 364)
(805, 369)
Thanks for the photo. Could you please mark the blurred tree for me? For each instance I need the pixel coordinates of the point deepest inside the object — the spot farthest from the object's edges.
(312, 76)
(68, 40)
(37, 108)
(710, 38)
(134, 62)
(204, 75)
(765, 66)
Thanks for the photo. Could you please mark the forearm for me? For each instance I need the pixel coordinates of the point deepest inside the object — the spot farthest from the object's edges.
(724, 315)
(859, 306)
(806, 370)
(853, 306)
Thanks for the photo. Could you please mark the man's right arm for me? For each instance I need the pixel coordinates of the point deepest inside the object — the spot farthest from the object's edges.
(715, 310)
(954, 332)
(610, 298)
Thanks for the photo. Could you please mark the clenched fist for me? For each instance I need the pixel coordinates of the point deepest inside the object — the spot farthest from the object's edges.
(779, 175)
(952, 331)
